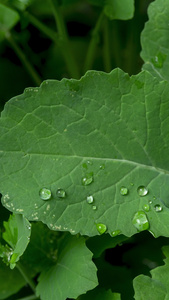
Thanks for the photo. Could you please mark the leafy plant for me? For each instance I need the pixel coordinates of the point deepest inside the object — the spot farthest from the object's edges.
(84, 151)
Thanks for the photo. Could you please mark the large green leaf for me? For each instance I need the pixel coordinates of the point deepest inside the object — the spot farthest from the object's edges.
(155, 287)
(90, 138)
(155, 40)
(17, 235)
(73, 275)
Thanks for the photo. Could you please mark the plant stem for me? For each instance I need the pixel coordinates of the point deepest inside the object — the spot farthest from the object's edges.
(33, 297)
(64, 41)
(106, 47)
(42, 27)
(30, 69)
(26, 276)
(93, 43)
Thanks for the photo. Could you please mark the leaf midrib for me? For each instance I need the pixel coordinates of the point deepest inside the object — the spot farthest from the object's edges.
(130, 162)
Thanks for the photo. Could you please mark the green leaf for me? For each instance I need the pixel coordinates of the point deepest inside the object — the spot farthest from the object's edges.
(8, 19)
(99, 244)
(17, 235)
(107, 130)
(155, 40)
(12, 281)
(73, 275)
(115, 9)
(43, 246)
(156, 287)
(123, 9)
(18, 4)
(100, 294)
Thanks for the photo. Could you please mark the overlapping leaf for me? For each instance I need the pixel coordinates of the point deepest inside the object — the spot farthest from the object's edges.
(107, 128)
(155, 287)
(73, 275)
(155, 40)
(17, 234)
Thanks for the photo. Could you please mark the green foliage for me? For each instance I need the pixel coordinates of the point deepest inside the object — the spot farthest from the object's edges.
(8, 19)
(155, 40)
(155, 287)
(17, 235)
(74, 265)
(84, 164)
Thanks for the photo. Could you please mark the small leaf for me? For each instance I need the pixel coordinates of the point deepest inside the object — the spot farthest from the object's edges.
(155, 40)
(122, 10)
(155, 287)
(115, 9)
(8, 19)
(17, 235)
(73, 275)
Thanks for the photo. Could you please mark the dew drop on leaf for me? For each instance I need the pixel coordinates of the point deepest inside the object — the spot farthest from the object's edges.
(124, 191)
(94, 207)
(150, 201)
(88, 179)
(146, 207)
(115, 233)
(142, 191)
(90, 199)
(101, 228)
(158, 208)
(102, 167)
(45, 194)
(140, 221)
(60, 193)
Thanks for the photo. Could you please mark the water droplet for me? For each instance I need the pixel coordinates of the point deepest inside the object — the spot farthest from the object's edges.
(124, 191)
(102, 167)
(94, 207)
(89, 162)
(159, 60)
(154, 197)
(88, 179)
(101, 228)
(140, 221)
(131, 183)
(150, 201)
(158, 208)
(146, 207)
(45, 194)
(115, 233)
(142, 191)
(61, 193)
(90, 199)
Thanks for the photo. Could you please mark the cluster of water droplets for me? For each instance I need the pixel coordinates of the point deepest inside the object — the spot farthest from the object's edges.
(46, 194)
(139, 220)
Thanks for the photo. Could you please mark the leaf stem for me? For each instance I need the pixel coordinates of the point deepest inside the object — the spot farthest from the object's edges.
(30, 69)
(42, 27)
(93, 43)
(64, 42)
(106, 47)
(26, 276)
